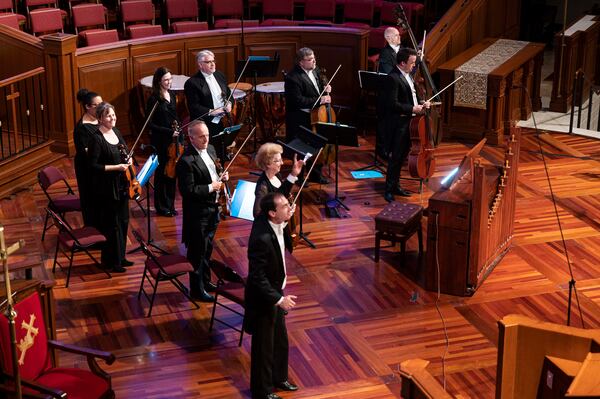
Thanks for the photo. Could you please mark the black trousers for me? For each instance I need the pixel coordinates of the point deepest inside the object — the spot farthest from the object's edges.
(164, 187)
(399, 144)
(113, 222)
(199, 249)
(269, 353)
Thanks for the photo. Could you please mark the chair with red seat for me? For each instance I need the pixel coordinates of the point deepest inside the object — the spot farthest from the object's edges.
(61, 204)
(97, 37)
(186, 11)
(229, 9)
(38, 365)
(72, 241)
(9, 20)
(31, 5)
(46, 20)
(89, 18)
(358, 13)
(162, 268)
(415, 14)
(235, 23)
(319, 12)
(230, 285)
(7, 7)
(278, 9)
(138, 19)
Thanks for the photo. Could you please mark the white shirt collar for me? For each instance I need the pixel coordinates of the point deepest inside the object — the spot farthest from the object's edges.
(207, 75)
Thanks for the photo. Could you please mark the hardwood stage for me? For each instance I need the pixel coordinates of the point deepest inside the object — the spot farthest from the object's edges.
(355, 320)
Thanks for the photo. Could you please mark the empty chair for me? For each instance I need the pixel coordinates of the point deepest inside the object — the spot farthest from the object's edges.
(10, 20)
(162, 268)
(97, 37)
(46, 20)
(184, 10)
(71, 241)
(7, 7)
(227, 9)
(319, 12)
(59, 203)
(88, 18)
(278, 22)
(235, 23)
(358, 13)
(138, 19)
(388, 13)
(414, 13)
(283, 9)
(31, 5)
(230, 285)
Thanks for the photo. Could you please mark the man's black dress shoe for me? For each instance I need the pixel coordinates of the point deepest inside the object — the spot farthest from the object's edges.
(210, 287)
(168, 214)
(174, 212)
(273, 396)
(402, 192)
(286, 386)
(202, 296)
(126, 263)
(389, 197)
(117, 269)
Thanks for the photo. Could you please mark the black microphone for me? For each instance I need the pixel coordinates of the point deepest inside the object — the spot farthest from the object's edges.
(144, 146)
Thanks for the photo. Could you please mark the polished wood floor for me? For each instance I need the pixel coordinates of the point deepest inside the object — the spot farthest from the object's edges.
(356, 320)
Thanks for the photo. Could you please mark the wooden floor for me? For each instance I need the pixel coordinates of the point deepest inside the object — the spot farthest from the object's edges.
(356, 320)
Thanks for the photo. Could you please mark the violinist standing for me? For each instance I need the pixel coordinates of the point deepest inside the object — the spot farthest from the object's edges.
(400, 103)
(302, 89)
(162, 135)
(199, 186)
(206, 93)
(110, 188)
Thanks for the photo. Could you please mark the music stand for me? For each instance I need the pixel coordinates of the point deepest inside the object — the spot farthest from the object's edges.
(143, 177)
(259, 66)
(373, 81)
(306, 144)
(224, 139)
(340, 135)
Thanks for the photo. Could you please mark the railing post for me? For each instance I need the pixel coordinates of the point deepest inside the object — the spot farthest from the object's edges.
(59, 60)
(573, 102)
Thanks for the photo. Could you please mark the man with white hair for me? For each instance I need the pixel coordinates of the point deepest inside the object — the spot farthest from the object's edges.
(387, 56)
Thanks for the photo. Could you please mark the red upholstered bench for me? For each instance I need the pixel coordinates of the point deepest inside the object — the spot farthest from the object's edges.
(397, 222)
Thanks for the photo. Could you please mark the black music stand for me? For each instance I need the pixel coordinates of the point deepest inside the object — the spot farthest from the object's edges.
(143, 177)
(373, 81)
(258, 67)
(337, 134)
(305, 145)
(224, 139)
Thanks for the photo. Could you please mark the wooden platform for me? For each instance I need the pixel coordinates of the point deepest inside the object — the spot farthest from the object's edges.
(356, 320)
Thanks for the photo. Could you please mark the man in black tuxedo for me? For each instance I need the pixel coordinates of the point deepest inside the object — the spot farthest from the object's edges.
(399, 104)
(199, 185)
(387, 56)
(206, 93)
(266, 303)
(302, 89)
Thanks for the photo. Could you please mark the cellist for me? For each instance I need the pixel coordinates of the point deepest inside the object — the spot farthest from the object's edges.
(162, 136)
(399, 104)
(302, 88)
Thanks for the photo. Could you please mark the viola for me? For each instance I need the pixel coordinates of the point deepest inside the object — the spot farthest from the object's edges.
(325, 114)
(174, 152)
(134, 188)
(421, 158)
(224, 197)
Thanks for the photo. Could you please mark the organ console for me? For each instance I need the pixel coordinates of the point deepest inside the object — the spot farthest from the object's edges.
(471, 221)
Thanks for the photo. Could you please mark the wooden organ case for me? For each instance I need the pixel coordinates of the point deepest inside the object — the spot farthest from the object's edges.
(471, 221)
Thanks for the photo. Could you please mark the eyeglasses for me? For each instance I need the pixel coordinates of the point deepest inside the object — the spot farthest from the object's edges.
(208, 62)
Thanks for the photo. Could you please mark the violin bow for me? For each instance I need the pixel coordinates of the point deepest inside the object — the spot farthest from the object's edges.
(237, 153)
(440, 92)
(328, 83)
(142, 131)
(306, 179)
(237, 82)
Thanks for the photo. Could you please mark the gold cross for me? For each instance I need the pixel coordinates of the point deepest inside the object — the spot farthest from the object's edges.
(28, 340)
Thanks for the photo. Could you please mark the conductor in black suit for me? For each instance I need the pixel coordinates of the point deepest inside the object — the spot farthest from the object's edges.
(387, 56)
(266, 303)
(399, 104)
(206, 93)
(302, 89)
(199, 185)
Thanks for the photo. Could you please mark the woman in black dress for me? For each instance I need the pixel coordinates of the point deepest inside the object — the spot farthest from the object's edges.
(85, 129)
(268, 158)
(162, 135)
(110, 188)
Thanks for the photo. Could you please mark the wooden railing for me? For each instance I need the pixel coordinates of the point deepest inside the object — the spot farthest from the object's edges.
(23, 112)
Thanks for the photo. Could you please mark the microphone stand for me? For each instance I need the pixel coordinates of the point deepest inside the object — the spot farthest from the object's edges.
(11, 314)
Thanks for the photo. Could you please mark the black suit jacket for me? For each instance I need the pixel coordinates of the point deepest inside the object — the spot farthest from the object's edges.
(265, 271)
(193, 179)
(397, 103)
(300, 93)
(387, 59)
(198, 97)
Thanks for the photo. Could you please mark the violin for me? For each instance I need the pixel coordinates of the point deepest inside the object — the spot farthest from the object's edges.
(134, 188)
(174, 152)
(224, 197)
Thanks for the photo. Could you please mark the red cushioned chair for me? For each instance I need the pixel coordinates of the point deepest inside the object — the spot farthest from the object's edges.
(61, 204)
(279, 9)
(388, 13)
(319, 12)
(278, 22)
(37, 365)
(230, 285)
(97, 37)
(89, 18)
(162, 268)
(415, 14)
(186, 10)
(71, 241)
(235, 23)
(138, 19)
(227, 9)
(358, 13)
(8, 7)
(31, 5)
(46, 20)
(10, 20)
